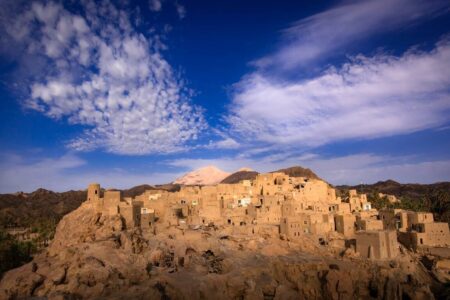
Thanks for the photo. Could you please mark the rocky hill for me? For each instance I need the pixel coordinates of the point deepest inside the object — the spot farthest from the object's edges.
(26, 209)
(240, 175)
(140, 189)
(392, 187)
(204, 176)
(295, 171)
(95, 257)
(298, 171)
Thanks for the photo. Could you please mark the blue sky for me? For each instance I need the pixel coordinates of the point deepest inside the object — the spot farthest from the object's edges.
(142, 92)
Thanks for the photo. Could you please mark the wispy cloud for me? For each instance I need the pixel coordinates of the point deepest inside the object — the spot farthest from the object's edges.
(155, 5)
(274, 114)
(19, 174)
(365, 98)
(325, 34)
(226, 143)
(103, 74)
(181, 10)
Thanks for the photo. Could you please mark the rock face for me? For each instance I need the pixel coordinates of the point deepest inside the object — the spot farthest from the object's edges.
(93, 256)
(204, 176)
(240, 175)
(298, 171)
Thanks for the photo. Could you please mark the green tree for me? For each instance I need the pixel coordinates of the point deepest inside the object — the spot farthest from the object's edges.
(14, 253)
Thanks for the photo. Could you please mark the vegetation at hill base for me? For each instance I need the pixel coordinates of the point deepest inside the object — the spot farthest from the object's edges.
(14, 253)
(417, 197)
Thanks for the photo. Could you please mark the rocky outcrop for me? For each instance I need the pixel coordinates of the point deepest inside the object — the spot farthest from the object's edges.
(240, 175)
(93, 256)
(298, 171)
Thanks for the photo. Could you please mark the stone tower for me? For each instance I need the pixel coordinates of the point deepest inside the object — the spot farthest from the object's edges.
(93, 193)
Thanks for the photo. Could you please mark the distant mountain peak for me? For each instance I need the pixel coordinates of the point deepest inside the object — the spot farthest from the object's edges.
(41, 191)
(389, 181)
(207, 175)
(245, 169)
(298, 171)
(239, 176)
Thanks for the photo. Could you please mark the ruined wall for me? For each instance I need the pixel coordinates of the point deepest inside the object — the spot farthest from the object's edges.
(305, 223)
(111, 202)
(292, 227)
(419, 217)
(394, 219)
(357, 201)
(430, 234)
(345, 224)
(147, 218)
(367, 224)
(130, 213)
(377, 244)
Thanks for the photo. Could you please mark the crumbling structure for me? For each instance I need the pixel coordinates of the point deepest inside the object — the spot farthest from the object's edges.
(377, 244)
(276, 204)
(422, 231)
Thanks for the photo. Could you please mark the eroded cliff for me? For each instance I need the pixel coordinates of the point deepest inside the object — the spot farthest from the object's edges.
(94, 256)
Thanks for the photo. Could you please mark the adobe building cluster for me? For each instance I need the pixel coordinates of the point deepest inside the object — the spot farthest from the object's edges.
(277, 204)
(416, 229)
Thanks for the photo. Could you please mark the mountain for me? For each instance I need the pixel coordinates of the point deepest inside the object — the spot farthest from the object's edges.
(140, 189)
(204, 176)
(240, 175)
(391, 187)
(246, 173)
(298, 171)
(137, 190)
(27, 209)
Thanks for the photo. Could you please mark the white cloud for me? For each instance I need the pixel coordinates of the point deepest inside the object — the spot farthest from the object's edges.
(181, 10)
(68, 172)
(103, 74)
(327, 33)
(226, 143)
(155, 5)
(367, 97)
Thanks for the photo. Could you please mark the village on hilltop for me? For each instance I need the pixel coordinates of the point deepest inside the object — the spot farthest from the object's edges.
(278, 205)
